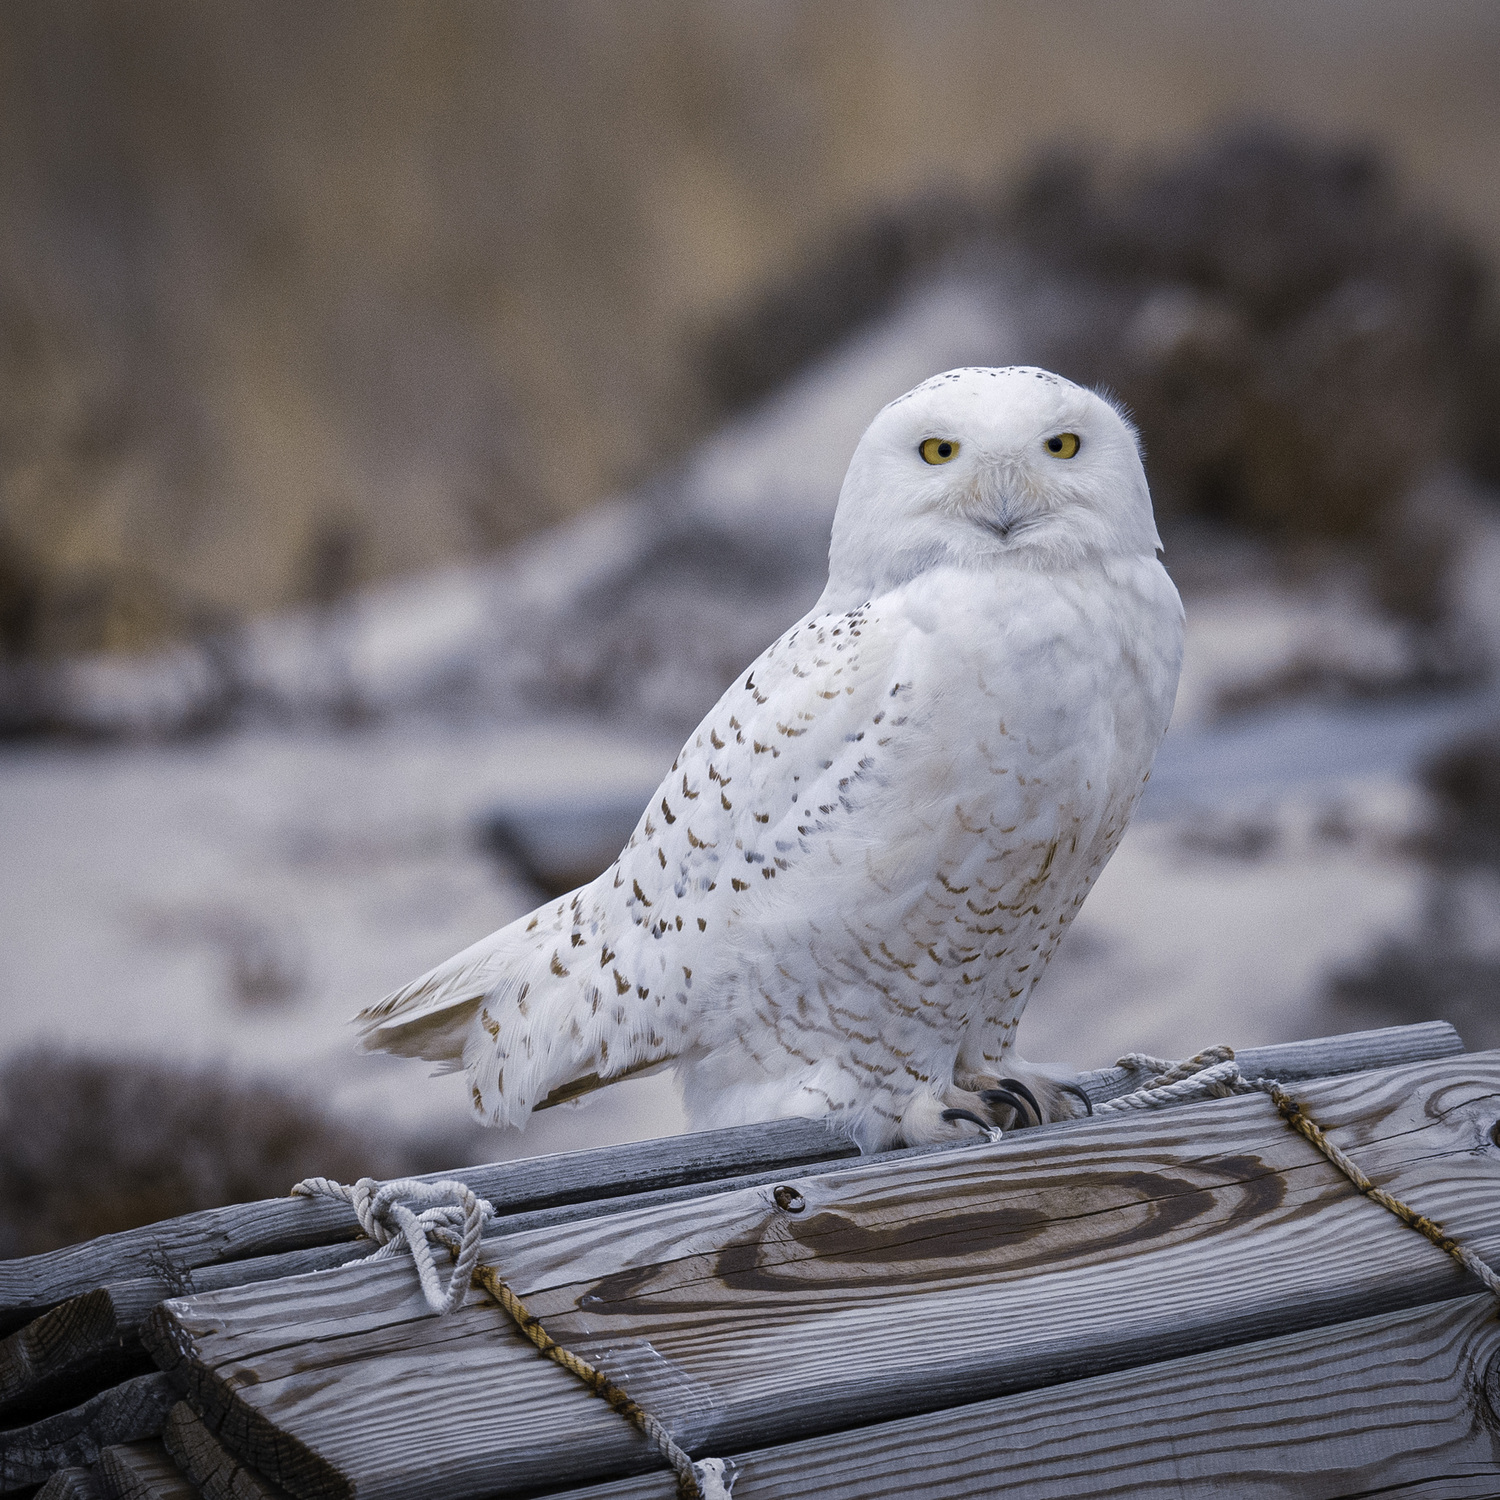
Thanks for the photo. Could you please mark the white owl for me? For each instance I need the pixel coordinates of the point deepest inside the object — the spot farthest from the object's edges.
(857, 868)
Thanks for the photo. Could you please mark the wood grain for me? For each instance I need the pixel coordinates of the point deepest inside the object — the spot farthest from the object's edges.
(901, 1287)
(217, 1474)
(1402, 1404)
(31, 1284)
(71, 1484)
(141, 1471)
(125, 1413)
(95, 1334)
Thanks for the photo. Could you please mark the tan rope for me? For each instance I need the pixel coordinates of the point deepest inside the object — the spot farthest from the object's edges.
(378, 1206)
(1213, 1073)
(1295, 1116)
(690, 1476)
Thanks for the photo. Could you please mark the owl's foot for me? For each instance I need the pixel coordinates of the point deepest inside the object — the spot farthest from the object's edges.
(1023, 1096)
(1027, 1094)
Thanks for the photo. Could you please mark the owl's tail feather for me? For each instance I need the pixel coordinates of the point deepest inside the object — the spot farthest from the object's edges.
(526, 1035)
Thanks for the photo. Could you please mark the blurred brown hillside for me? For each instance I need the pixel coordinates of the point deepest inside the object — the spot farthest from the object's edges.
(293, 296)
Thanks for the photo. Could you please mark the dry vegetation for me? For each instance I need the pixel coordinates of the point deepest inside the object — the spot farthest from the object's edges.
(292, 297)
(95, 1144)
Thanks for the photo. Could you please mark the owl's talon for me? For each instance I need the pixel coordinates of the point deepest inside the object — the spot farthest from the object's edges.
(987, 1126)
(1078, 1093)
(1017, 1087)
(999, 1096)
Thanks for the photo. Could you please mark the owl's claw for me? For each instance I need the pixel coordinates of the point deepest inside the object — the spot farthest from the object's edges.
(991, 1130)
(1078, 1093)
(997, 1097)
(1017, 1087)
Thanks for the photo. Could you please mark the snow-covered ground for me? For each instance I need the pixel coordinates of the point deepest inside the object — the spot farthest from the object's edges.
(237, 897)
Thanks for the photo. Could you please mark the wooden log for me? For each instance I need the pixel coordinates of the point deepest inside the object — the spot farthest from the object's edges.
(125, 1413)
(1404, 1404)
(95, 1335)
(166, 1251)
(112, 1349)
(141, 1471)
(217, 1474)
(1323, 1057)
(887, 1289)
(31, 1284)
(71, 1484)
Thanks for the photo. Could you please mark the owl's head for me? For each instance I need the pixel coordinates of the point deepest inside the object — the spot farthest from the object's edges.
(990, 467)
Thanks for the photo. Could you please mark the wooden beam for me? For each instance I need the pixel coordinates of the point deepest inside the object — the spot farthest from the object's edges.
(217, 1474)
(141, 1471)
(165, 1252)
(31, 1284)
(1322, 1057)
(896, 1288)
(1403, 1404)
(95, 1335)
(71, 1484)
(123, 1414)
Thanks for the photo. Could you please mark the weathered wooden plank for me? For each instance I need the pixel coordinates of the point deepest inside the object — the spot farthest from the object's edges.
(1403, 1404)
(141, 1471)
(95, 1334)
(31, 1284)
(211, 1467)
(898, 1287)
(132, 1410)
(1322, 1057)
(71, 1484)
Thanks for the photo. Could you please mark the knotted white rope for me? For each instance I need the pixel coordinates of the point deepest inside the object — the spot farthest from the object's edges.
(447, 1212)
(1211, 1074)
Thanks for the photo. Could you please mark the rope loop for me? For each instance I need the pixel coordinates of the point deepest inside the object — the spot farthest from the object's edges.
(413, 1215)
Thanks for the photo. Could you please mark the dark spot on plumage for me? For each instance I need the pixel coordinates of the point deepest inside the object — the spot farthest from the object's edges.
(667, 812)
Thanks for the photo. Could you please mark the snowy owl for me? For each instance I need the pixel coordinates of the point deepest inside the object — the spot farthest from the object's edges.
(842, 894)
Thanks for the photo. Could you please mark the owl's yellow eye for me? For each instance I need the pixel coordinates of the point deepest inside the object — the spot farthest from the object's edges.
(1063, 444)
(938, 450)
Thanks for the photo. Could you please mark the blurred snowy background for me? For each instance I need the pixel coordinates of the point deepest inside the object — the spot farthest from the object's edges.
(412, 415)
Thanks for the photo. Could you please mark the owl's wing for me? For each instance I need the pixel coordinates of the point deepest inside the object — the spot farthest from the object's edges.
(601, 982)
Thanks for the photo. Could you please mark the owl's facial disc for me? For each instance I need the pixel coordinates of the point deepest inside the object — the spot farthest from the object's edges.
(991, 467)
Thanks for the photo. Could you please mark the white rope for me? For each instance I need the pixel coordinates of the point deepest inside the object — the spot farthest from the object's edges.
(1218, 1080)
(447, 1213)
